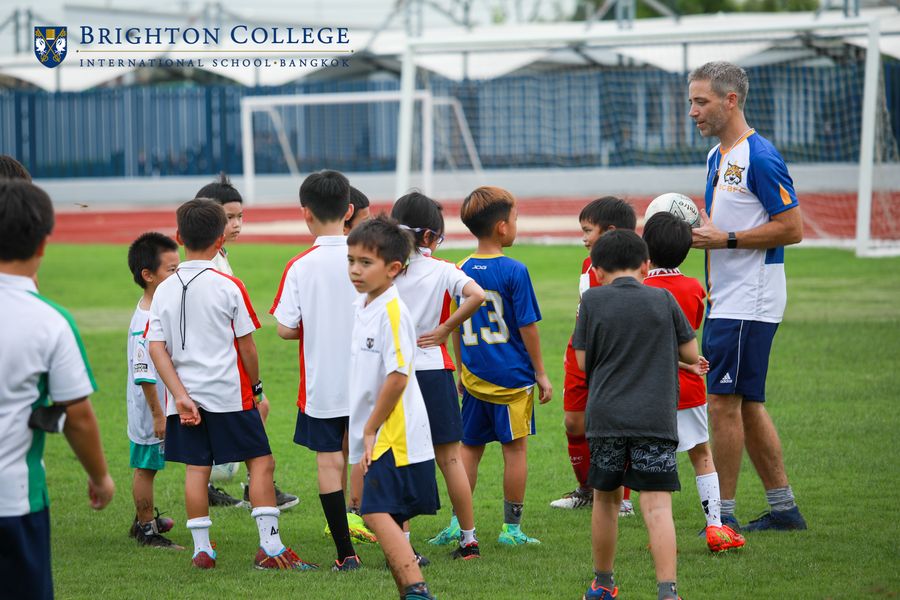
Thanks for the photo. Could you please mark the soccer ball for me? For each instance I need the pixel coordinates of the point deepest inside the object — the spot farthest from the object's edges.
(224, 472)
(678, 204)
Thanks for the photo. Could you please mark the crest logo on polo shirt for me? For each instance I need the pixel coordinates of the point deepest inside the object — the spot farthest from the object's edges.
(370, 342)
(50, 45)
(733, 174)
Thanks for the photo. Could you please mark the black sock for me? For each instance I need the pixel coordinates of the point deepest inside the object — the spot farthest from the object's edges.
(418, 589)
(336, 515)
(666, 590)
(605, 579)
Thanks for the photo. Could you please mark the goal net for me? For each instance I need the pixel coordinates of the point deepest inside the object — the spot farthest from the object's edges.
(602, 110)
(285, 137)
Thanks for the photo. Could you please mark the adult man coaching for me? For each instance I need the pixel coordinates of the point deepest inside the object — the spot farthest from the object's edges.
(753, 213)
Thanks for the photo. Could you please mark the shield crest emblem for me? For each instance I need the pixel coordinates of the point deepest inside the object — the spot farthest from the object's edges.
(50, 45)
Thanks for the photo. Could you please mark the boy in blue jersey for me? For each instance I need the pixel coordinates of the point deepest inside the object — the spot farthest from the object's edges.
(499, 351)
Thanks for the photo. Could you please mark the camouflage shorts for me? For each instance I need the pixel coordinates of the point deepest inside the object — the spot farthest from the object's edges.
(646, 464)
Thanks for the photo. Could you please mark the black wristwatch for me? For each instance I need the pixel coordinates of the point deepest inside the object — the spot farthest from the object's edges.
(732, 240)
(257, 388)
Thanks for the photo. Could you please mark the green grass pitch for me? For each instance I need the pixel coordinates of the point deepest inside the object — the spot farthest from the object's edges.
(832, 392)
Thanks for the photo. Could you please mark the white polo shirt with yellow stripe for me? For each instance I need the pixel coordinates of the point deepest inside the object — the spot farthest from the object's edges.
(41, 358)
(746, 185)
(384, 342)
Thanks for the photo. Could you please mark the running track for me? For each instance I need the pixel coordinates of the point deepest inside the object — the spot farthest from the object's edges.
(825, 216)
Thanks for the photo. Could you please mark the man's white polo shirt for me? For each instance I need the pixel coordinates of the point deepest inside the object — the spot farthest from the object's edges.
(41, 358)
(427, 288)
(745, 188)
(316, 295)
(384, 342)
(199, 313)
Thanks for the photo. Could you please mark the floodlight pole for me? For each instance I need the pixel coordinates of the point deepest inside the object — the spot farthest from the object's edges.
(867, 142)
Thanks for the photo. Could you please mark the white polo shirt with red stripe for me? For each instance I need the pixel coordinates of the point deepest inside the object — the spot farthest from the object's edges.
(199, 313)
(427, 288)
(316, 295)
(41, 358)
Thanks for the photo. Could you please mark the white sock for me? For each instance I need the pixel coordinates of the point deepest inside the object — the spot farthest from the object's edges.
(468, 536)
(710, 500)
(267, 523)
(406, 533)
(200, 532)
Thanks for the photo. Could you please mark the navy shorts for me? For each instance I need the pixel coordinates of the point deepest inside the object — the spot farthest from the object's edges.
(442, 403)
(320, 435)
(738, 355)
(485, 422)
(25, 556)
(402, 492)
(219, 438)
(642, 464)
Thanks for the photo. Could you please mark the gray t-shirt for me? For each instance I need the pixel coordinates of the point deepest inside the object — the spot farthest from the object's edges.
(630, 333)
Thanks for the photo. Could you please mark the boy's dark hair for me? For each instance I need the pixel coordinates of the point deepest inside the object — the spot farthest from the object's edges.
(358, 200)
(201, 222)
(484, 208)
(619, 250)
(144, 253)
(221, 190)
(327, 194)
(10, 168)
(384, 236)
(26, 218)
(421, 214)
(668, 239)
(609, 211)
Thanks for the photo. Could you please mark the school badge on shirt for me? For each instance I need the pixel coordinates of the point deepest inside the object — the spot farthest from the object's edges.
(50, 45)
(733, 174)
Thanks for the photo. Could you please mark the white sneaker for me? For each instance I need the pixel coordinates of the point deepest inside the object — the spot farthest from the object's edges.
(626, 509)
(578, 498)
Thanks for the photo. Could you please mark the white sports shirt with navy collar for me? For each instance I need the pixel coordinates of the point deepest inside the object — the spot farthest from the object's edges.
(745, 187)
(41, 358)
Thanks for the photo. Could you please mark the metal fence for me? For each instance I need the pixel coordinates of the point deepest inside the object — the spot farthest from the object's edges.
(587, 117)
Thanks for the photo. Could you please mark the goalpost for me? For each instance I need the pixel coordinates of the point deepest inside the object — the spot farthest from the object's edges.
(273, 105)
(852, 183)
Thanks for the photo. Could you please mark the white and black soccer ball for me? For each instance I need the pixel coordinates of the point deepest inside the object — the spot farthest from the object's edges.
(224, 472)
(678, 204)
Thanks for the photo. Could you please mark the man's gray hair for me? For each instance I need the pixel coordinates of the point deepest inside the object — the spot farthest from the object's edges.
(725, 78)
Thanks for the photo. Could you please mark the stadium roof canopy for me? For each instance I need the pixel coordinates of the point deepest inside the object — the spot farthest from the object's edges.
(380, 50)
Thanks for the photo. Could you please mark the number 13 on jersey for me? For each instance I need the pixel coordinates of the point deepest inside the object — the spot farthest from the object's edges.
(494, 303)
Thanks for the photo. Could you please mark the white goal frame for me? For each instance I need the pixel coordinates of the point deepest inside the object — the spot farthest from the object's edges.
(630, 37)
(268, 104)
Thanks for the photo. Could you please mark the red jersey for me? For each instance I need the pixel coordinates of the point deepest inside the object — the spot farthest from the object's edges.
(690, 295)
(587, 281)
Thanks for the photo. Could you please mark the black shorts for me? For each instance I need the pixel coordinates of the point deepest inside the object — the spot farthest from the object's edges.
(219, 438)
(320, 435)
(442, 403)
(642, 464)
(25, 556)
(402, 492)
